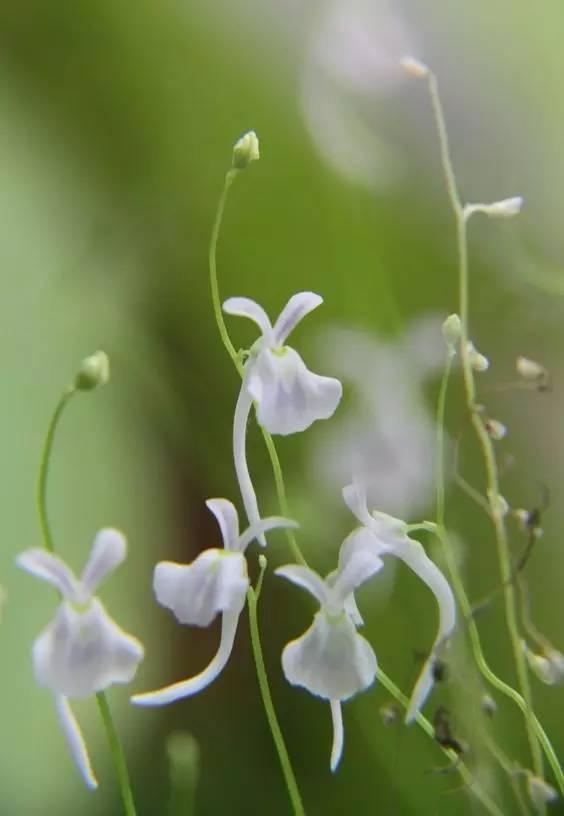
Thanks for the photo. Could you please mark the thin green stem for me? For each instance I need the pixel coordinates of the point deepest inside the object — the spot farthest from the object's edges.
(44, 464)
(224, 334)
(482, 435)
(212, 260)
(440, 443)
(118, 755)
(289, 778)
(473, 786)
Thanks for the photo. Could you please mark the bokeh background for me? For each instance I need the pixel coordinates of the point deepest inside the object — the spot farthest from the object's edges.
(116, 126)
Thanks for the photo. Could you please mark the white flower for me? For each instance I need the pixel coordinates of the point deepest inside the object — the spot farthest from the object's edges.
(382, 535)
(216, 582)
(506, 208)
(82, 651)
(331, 660)
(540, 792)
(288, 397)
(246, 150)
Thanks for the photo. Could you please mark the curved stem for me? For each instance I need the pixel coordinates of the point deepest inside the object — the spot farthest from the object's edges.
(44, 464)
(473, 786)
(289, 778)
(482, 435)
(118, 755)
(230, 348)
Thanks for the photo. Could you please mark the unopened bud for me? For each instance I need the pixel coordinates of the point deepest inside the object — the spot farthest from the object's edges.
(489, 705)
(506, 208)
(478, 361)
(548, 667)
(246, 150)
(495, 429)
(540, 792)
(389, 713)
(93, 371)
(262, 562)
(452, 330)
(529, 370)
(414, 67)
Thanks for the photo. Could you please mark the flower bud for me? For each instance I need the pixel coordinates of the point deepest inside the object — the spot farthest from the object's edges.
(246, 150)
(478, 361)
(540, 792)
(499, 505)
(495, 429)
(452, 330)
(548, 667)
(506, 208)
(489, 705)
(414, 67)
(93, 371)
(532, 372)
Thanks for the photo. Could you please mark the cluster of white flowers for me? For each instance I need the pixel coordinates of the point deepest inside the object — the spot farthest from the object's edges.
(83, 652)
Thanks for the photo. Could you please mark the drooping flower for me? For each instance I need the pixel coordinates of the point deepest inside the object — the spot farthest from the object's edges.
(287, 395)
(215, 583)
(331, 660)
(83, 650)
(383, 535)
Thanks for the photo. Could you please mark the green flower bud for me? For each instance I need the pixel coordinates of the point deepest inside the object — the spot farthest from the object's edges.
(452, 330)
(93, 371)
(246, 150)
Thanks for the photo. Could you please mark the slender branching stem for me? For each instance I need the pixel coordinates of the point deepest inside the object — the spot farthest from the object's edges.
(275, 730)
(471, 783)
(484, 440)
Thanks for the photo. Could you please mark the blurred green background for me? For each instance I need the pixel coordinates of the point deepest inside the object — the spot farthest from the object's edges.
(116, 126)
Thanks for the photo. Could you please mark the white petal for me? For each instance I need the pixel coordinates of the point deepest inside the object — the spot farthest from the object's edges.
(355, 571)
(242, 409)
(245, 307)
(354, 496)
(289, 397)
(361, 540)
(75, 740)
(80, 653)
(413, 554)
(186, 688)
(216, 581)
(349, 604)
(331, 659)
(338, 734)
(228, 521)
(293, 312)
(49, 567)
(307, 579)
(107, 553)
(271, 523)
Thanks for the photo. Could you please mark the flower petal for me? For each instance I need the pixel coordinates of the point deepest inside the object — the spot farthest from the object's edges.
(81, 653)
(338, 734)
(193, 685)
(75, 740)
(330, 660)
(355, 571)
(355, 498)
(216, 581)
(271, 523)
(107, 553)
(289, 397)
(228, 520)
(245, 307)
(49, 567)
(412, 553)
(293, 312)
(307, 579)
(242, 409)
(349, 604)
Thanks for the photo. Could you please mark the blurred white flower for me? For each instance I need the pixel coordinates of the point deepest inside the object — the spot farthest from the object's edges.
(216, 582)
(331, 660)
(540, 792)
(288, 397)
(82, 651)
(352, 60)
(382, 535)
(386, 435)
